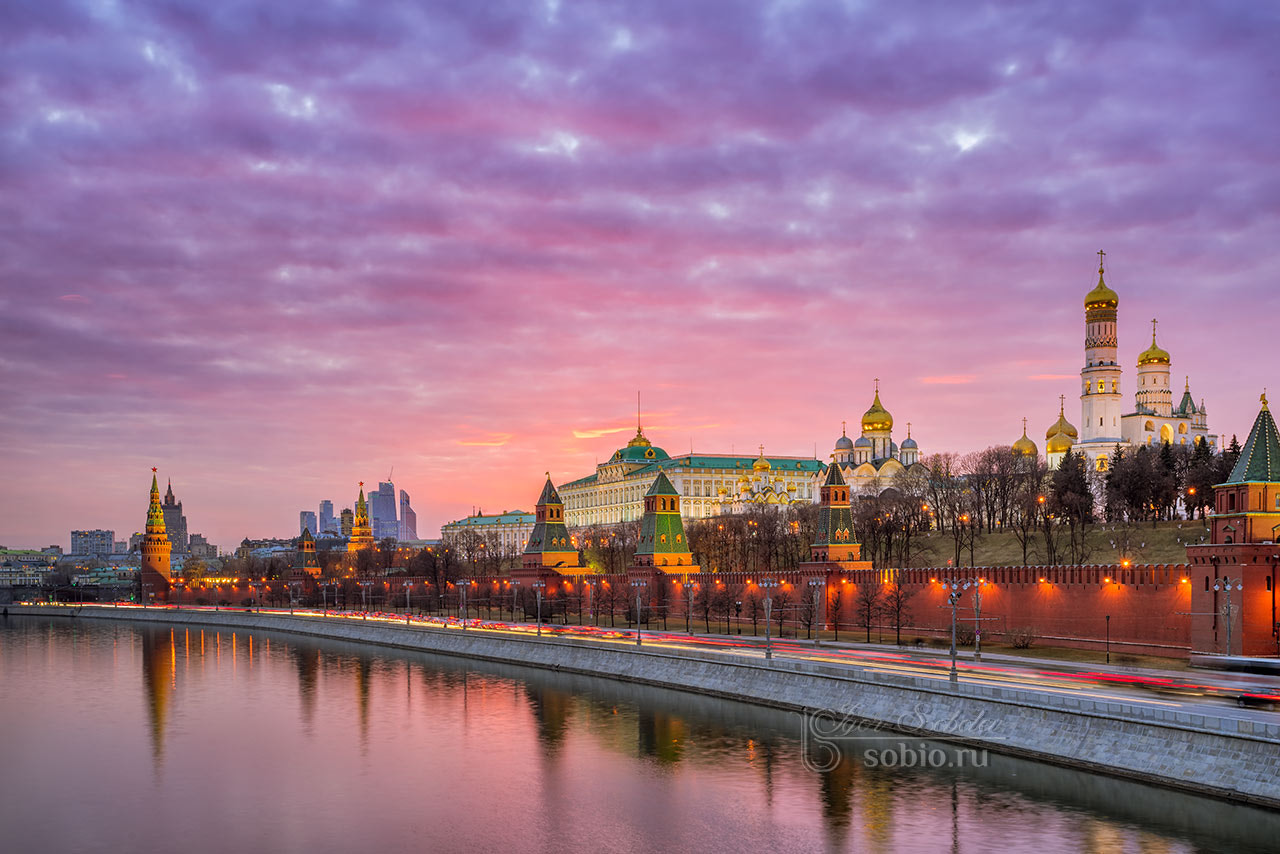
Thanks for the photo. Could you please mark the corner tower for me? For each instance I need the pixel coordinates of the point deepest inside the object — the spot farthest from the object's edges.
(1100, 376)
(549, 545)
(155, 546)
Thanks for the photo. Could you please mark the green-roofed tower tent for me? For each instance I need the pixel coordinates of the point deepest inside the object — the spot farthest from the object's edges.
(1247, 505)
(834, 539)
(549, 545)
(662, 541)
(1260, 457)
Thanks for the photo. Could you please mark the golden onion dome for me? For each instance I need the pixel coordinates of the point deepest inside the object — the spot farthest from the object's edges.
(1101, 296)
(1153, 355)
(761, 464)
(877, 417)
(1062, 425)
(1059, 443)
(1024, 446)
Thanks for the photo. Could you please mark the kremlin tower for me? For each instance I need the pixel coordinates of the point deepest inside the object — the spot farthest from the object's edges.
(663, 545)
(835, 540)
(361, 533)
(155, 573)
(549, 545)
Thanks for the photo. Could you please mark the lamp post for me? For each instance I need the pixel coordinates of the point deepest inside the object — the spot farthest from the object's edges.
(1228, 611)
(818, 586)
(293, 585)
(538, 587)
(407, 607)
(737, 612)
(638, 585)
(364, 598)
(462, 603)
(515, 586)
(767, 585)
(1108, 638)
(957, 588)
(591, 599)
(178, 585)
(688, 611)
(977, 618)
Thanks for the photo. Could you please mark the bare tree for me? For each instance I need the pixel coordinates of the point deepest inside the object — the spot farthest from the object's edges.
(867, 602)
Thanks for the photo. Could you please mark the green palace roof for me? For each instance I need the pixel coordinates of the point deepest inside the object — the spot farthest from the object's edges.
(1260, 457)
(511, 517)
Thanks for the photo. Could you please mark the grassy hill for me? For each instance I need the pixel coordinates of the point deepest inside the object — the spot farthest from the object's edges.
(1142, 543)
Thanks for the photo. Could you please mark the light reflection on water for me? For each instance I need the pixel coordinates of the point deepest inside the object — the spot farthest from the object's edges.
(145, 737)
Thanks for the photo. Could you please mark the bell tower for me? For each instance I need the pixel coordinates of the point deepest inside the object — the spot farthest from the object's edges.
(1100, 377)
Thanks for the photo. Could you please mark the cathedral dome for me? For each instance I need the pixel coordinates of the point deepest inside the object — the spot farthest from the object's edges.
(1024, 447)
(761, 464)
(1153, 355)
(844, 443)
(863, 443)
(877, 417)
(1062, 425)
(909, 444)
(1101, 296)
(1059, 443)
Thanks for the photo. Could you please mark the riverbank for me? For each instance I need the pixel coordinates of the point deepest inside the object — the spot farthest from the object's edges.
(1211, 754)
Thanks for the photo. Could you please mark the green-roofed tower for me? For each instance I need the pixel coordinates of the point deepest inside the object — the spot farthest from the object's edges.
(1241, 553)
(549, 545)
(663, 544)
(304, 561)
(834, 539)
(156, 547)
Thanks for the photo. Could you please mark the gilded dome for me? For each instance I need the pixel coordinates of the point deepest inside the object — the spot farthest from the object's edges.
(1153, 355)
(761, 464)
(1024, 447)
(877, 417)
(1059, 443)
(1062, 425)
(1101, 296)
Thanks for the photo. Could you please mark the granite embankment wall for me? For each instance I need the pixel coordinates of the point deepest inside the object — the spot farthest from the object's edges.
(1207, 753)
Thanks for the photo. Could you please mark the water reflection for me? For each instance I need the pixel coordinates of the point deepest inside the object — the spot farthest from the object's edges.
(268, 735)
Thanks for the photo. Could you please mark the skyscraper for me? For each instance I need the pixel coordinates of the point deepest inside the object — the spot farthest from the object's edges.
(347, 523)
(408, 519)
(175, 523)
(307, 522)
(326, 521)
(382, 511)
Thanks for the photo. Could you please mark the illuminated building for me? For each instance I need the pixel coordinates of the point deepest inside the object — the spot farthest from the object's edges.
(1103, 425)
(382, 511)
(155, 546)
(348, 522)
(710, 484)
(361, 534)
(871, 464)
(175, 523)
(508, 532)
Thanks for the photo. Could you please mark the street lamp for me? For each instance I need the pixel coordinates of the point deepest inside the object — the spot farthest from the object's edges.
(688, 612)
(515, 585)
(407, 607)
(293, 585)
(591, 600)
(1225, 584)
(364, 597)
(462, 603)
(957, 588)
(818, 586)
(977, 618)
(768, 584)
(538, 587)
(638, 584)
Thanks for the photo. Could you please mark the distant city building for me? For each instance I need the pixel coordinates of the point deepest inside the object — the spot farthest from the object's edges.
(307, 522)
(327, 522)
(52, 550)
(382, 511)
(348, 522)
(135, 541)
(96, 542)
(1103, 425)
(361, 534)
(120, 547)
(408, 520)
(24, 568)
(202, 548)
(175, 523)
(507, 531)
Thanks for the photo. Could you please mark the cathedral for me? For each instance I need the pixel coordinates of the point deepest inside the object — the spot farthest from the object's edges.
(1153, 419)
(871, 463)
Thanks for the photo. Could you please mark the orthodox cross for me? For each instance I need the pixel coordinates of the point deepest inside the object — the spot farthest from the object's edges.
(877, 385)
(1153, 329)
(1101, 256)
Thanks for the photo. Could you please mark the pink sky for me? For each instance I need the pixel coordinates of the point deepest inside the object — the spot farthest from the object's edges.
(278, 249)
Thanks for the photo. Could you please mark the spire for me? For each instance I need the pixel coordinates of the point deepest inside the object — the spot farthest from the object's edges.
(1260, 457)
(549, 494)
(155, 513)
(834, 476)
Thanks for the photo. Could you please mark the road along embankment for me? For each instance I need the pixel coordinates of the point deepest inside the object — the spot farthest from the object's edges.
(1208, 753)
